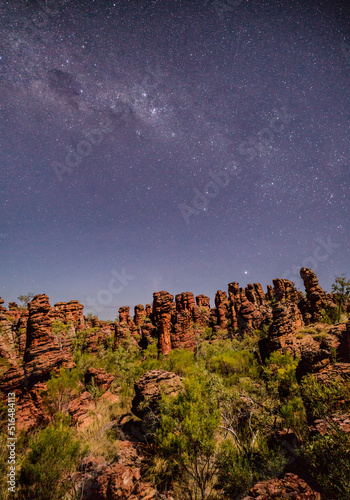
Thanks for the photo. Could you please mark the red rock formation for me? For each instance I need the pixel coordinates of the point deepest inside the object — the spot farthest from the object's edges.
(290, 486)
(124, 314)
(183, 333)
(140, 314)
(44, 352)
(287, 318)
(118, 481)
(71, 311)
(99, 338)
(13, 332)
(98, 377)
(163, 308)
(316, 297)
(249, 317)
(187, 313)
(147, 332)
(255, 294)
(149, 310)
(149, 389)
(285, 290)
(203, 301)
(221, 304)
(269, 293)
(185, 302)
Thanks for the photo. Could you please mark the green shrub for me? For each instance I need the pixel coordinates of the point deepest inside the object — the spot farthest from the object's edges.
(61, 389)
(322, 399)
(187, 437)
(329, 457)
(46, 471)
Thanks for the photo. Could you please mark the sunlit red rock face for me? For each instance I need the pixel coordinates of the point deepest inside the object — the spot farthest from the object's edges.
(13, 328)
(44, 351)
(183, 335)
(221, 304)
(203, 301)
(163, 308)
(71, 311)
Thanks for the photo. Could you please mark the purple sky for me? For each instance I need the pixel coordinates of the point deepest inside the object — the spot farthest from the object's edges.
(171, 145)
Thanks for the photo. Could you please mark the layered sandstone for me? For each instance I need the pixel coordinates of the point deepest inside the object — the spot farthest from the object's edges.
(316, 297)
(289, 486)
(149, 389)
(163, 309)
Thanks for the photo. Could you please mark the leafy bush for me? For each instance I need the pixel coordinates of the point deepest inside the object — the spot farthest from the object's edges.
(329, 457)
(47, 469)
(61, 389)
(187, 437)
(322, 399)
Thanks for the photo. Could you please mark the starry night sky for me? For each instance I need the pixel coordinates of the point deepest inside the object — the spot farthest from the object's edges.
(171, 145)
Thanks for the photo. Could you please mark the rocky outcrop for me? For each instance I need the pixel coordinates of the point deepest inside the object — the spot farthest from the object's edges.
(255, 294)
(44, 348)
(163, 308)
(285, 291)
(249, 318)
(288, 487)
(221, 304)
(316, 297)
(248, 309)
(124, 314)
(203, 301)
(71, 311)
(139, 314)
(13, 332)
(45, 351)
(286, 319)
(149, 389)
(149, 310)
(118, 482)
(183, 335)
(98, 377)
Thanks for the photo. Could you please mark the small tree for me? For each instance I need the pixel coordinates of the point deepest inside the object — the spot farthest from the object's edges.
(187, 437)
(25, 299)
(341, 288)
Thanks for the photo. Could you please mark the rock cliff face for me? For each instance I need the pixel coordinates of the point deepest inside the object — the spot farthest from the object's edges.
(316, 298)
(221, 304)
(70, 312)
(203, 301)
(44, 352)
(163, 308)
(13, 328)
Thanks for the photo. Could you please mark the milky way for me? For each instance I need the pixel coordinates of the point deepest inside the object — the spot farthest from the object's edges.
(175, 145)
